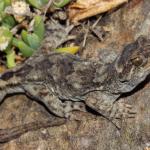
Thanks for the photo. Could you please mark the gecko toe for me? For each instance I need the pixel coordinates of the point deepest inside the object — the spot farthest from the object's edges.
(125, 111)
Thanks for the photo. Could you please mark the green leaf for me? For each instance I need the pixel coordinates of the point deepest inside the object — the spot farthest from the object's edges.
(7, 2)
(15, 42)
(2, 15)
(39, 28)
(33, 41)
(61, 3)
(38, 3)
(10, 59)
(8, 21)
(24, 35)
(2, 5)
(23, 47)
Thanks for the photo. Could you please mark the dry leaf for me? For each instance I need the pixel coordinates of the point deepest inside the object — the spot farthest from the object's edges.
(82, 9)
(71, 49)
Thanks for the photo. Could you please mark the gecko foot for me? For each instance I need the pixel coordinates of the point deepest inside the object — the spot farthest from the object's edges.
(121, 110)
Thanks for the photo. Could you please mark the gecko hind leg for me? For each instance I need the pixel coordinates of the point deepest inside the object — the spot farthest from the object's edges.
(42, 94)
(122, 110)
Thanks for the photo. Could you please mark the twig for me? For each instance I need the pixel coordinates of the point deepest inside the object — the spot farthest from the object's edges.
(9, 134)
(85, 35)
(96, 22)
(46, 8)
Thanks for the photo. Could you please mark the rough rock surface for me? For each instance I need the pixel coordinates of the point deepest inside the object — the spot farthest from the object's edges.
(91, 132)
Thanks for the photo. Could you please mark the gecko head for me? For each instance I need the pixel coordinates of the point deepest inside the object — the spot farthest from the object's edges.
(133, 65)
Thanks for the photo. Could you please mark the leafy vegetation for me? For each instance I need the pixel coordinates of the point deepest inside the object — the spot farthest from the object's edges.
(22, 27)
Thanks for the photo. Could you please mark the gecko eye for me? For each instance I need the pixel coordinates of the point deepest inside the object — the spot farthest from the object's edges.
(138, 61)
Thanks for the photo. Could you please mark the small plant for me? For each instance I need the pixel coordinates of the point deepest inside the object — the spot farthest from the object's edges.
(22, 29)
(13, 13)
(30, 42)
(5, 46)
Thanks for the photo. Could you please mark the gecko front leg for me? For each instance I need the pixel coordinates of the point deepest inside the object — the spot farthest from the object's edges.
(43, 94)
(108, 106)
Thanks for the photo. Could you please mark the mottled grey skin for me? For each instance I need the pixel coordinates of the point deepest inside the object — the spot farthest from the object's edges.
(64, 82)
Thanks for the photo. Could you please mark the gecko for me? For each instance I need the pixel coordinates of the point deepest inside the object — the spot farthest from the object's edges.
(64, 83)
